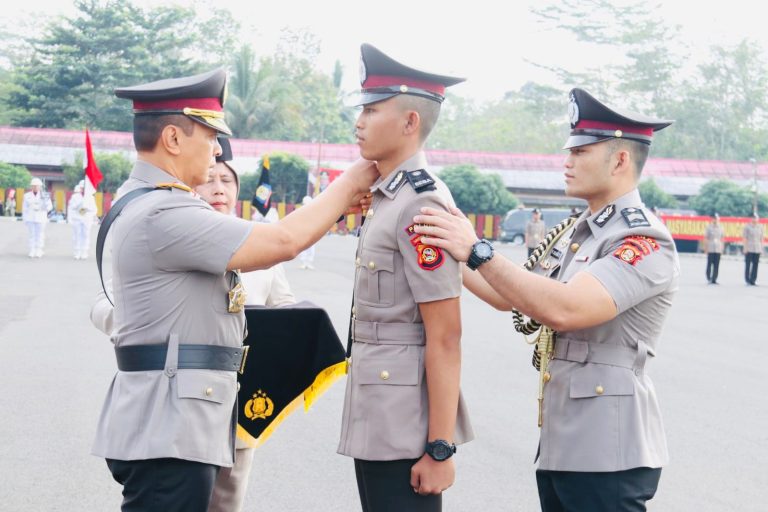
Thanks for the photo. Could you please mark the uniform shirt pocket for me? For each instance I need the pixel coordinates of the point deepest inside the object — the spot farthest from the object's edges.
(376, 286)
(594, 380)
(205, 385)
(391, 372)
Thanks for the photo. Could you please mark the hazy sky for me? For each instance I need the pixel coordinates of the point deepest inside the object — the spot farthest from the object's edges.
(486, 41)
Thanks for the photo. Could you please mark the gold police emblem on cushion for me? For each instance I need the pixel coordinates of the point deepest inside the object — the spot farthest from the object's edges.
(260, 406)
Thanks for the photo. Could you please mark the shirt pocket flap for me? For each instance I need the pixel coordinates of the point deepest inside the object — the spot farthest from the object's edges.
(205, 385)
(392, 372)
(601, 380)
(376, 261)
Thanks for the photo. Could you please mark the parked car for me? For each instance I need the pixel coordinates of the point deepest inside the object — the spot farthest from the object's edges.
(513, 225)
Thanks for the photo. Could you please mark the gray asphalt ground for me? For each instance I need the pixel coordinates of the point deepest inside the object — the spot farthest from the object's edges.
(55, 369)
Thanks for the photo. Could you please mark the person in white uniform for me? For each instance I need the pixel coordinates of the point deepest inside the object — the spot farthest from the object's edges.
(80, 214)
(34, 212)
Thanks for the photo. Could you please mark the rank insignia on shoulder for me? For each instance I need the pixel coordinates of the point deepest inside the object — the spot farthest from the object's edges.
(605, 215)
(635, 217)
(396, 182)
(420, 180)
(633, 248)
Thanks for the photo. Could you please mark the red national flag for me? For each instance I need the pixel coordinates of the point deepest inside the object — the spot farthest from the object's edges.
(92, 171)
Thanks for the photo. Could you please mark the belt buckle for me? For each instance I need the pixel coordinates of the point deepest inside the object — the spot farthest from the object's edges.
(246, 348)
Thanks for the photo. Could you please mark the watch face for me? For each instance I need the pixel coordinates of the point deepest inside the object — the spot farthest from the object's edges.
(440, 452)
(483, 250)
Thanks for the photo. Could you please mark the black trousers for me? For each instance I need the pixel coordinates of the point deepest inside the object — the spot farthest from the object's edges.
(751, 260)
(620, 491)
(164, 485)
(713, 265)
(385, 486)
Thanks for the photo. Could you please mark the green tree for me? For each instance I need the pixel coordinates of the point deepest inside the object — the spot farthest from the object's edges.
(475, 192)
(66, 77)
(115, 168)
(288, 175)
(654, 197)
(727, 199)
(14, 176)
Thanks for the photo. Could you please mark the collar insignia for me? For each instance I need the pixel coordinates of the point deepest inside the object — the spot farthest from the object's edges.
(605, 215)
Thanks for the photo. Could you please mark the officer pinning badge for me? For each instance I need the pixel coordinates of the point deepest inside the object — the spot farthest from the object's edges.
(237, 295)
(259, 407)
(420, 180)
(396, 182)
(635, 217)
(605, 215)
(633, 248)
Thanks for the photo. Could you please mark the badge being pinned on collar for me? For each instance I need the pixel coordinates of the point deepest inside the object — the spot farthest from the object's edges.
(605, 215)
(420, 180)
(396, 182)
(634, 217)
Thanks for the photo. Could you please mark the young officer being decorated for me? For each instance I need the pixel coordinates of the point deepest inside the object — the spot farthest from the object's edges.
(602, 290)
(169, 416)
(403, 411)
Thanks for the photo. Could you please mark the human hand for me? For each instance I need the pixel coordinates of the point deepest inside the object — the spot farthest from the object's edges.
(450, 231)
(360, 203)
(429, 476)
(362, 173)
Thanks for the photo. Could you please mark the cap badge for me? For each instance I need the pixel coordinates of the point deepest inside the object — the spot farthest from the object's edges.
(618, 133)
(573, 111)
(363, 71)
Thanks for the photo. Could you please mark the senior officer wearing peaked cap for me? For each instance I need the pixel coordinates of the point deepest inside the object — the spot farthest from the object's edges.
(167, 424)
(605, 288)
(403, 411)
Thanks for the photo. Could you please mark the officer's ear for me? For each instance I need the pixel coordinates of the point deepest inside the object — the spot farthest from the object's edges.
(622, 161)
(170, 139)
(412, 122)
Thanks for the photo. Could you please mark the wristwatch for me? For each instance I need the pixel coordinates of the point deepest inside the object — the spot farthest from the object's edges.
(482, 251)
(440, 449)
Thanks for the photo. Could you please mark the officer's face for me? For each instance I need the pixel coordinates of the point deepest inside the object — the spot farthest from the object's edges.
(199, 153)
(378, 128)
(587, 171)
(220, 191)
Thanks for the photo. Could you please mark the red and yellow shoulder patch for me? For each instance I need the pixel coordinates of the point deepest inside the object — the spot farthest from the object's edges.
(428, 257)
(634, 247)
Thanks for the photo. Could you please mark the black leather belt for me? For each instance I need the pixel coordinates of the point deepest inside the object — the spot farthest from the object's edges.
(139, 358)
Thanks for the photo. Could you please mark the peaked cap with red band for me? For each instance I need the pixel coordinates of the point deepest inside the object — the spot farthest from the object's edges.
(592, 121)
(199, 97)
(382, 77)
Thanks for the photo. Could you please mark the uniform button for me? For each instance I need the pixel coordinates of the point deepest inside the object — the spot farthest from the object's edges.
(353, 310)
(208, 391)
(638, 371)
(371, 265)
(238, 386)
(599, 390)
(547, 377)
(574, 247)
(384, 375)
(369, 214)
(358, 261)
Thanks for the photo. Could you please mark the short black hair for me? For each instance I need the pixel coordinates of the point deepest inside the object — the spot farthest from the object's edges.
(147, 128)
(638, 150)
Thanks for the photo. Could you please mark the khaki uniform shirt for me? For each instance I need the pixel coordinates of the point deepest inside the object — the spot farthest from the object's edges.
(170, 251)
(386, 408)
(753, 238)
(535, 231)
(600, 408)
(713, 238)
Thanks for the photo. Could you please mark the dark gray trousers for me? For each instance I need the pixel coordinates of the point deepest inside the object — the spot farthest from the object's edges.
(385, 486)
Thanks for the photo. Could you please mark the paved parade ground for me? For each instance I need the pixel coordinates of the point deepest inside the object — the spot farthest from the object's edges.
(55, 369)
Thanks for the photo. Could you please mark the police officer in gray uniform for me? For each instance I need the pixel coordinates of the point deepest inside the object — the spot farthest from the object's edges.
(605, 288)
(168, 421)
(403, 411)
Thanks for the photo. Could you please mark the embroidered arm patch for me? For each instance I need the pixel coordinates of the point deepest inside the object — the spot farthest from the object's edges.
(634, 247)
(428, 257)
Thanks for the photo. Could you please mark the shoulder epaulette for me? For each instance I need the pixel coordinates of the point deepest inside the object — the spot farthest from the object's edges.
(420, 180)
(635, 217)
